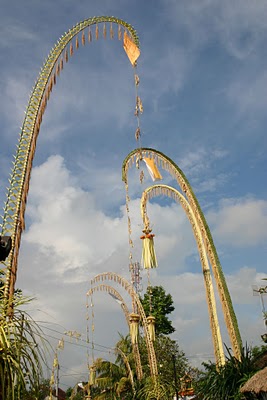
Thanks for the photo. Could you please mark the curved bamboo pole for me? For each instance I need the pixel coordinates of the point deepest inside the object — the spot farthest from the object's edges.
(111, 290)
(13, 219)
(169, 191)
(128, 367)
(112, 276)
(225, 298)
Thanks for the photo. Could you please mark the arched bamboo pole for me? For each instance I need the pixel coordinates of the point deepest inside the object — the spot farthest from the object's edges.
(169, 191)
(13, 222)
(111, 290)
(112, 276)
(128, 367)
(225, 298)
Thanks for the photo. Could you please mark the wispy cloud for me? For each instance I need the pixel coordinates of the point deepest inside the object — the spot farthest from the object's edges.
(240, 222)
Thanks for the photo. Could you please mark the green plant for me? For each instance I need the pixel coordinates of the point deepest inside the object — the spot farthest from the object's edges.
(21, 351)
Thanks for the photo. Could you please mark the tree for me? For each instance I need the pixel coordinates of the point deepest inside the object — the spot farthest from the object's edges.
(112, 381)
(168, 353)
(159, 304)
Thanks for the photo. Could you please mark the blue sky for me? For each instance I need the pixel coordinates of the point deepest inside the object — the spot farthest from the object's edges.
(203, 85)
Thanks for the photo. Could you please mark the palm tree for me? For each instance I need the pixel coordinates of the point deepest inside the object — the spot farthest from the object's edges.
(21, 351)
(112, 381)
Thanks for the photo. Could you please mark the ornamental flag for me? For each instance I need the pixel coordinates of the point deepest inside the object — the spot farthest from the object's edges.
(130, 48)
(152, 169)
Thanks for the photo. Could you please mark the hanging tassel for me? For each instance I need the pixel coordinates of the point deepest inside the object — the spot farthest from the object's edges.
(66, 56)
(61, 64)
(52, 380)
(134, 327)
(151, 327)
(96, 32)
(142, 176)
(139, 104)
(89, 35)
(119, 32)
(71, 49)
(83, 39)
(55, 362)
(149, 259)
(58, 69)
(77, 42)
(104, 31)
(111, 31)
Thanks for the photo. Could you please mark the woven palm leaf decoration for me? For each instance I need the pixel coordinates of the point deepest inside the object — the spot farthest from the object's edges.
(134, 327)
(151, 327)
(149, 259)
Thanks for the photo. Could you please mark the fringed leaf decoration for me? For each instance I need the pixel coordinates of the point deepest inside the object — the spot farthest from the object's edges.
(149, 259)
(104, 31)
(137, 133)
(139, 104)
(111, 31)
(119, 32)
(77, 42)
(71, 49)
(61, 344)
(142, 176)
(66, 56)
(129, 226)
(52, 380)
(151, 327)
(134, 327)
(83, 38)
(61, 64)
(58, 69)
(89, 35)
(55, 362)
(96, 32)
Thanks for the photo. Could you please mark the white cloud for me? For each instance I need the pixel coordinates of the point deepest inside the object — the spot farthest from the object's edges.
(240, 26)
(67, 221)
(240, 222)
(70, 240)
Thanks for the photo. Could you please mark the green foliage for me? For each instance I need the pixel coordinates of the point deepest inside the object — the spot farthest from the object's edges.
(223, 383)
(112, 381)
(68, 392)
(154, 389)
(21, 352)
(168, 354)
(159, 304)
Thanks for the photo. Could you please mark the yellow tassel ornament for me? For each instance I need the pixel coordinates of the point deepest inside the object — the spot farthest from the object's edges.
(149, 259)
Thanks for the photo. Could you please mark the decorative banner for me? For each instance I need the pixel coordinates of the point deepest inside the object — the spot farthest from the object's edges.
(130, 48)
(152, 169)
